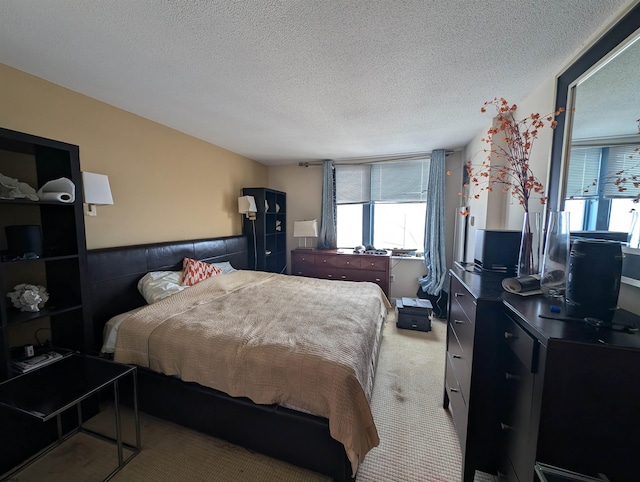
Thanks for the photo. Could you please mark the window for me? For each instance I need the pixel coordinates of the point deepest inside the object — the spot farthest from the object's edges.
(597, 205)
(399, 225)
(383, 204)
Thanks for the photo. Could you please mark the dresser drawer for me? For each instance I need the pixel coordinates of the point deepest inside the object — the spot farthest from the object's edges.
(521, 344)
(346, 261)
(464, 299)
(463, 328)
(515, 420)
(327, 272)
(457, 403)
(380, 263)
(461, 362)
(302, 261)
(367, 275)
(325, 260)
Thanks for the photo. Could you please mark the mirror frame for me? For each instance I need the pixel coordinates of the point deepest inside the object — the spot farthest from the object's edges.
(617, 34)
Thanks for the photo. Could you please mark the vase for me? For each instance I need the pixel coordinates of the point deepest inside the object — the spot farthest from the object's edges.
(555, 262)
(530, 244)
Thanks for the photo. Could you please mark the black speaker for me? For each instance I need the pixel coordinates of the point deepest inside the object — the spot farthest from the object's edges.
(593, 282)
(24, 239)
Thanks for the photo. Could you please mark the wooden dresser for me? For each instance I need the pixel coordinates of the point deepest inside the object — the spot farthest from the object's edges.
(570, 393)
(523, 388)
(333, 264)
(471, 385)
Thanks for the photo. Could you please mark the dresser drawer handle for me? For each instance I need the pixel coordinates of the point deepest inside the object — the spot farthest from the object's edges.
(508, 335)
(504, 426)
(459, 322)
(457, 357)
(458, 295)
(377, 279)
(343, 277)
(455, 390)
(329, 276)
(510, 376)
(348, 262)
(324, 260)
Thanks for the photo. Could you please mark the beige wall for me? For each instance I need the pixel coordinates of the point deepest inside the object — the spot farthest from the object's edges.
(166, 185)
(303, 186)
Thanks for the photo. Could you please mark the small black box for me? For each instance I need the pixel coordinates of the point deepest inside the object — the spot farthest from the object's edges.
(497, 250)
(414, 317)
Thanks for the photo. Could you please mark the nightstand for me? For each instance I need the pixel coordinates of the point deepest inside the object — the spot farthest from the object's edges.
(46, 392)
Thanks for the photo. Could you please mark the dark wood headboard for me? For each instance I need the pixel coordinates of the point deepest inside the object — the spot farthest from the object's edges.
(113, 273)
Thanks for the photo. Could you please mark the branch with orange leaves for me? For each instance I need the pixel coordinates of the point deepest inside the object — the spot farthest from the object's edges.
(507, 162)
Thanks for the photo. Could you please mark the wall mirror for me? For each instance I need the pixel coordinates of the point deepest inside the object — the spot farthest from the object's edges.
(597, 135)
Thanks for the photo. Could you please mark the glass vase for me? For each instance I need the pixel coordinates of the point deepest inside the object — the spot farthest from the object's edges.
(530, 244)
(555, 262)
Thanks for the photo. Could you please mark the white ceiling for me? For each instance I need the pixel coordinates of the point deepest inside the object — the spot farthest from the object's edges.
(300, 80)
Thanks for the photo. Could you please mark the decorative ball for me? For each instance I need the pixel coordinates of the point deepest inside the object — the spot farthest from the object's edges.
(28, 297)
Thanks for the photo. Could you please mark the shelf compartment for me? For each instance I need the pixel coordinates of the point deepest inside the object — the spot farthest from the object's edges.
(42, 258)
(15, 317)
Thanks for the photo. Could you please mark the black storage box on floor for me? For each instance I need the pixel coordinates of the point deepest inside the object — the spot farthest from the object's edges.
(414, 314)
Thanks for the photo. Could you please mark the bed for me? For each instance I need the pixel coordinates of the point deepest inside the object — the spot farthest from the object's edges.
(293, 419)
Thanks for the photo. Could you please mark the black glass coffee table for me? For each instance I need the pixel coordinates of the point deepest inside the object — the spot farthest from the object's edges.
(47, 392)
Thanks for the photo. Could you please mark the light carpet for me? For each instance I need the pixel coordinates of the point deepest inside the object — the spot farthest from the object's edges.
(418, 439)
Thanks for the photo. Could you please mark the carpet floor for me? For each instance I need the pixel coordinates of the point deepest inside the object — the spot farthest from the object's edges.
(418, 439)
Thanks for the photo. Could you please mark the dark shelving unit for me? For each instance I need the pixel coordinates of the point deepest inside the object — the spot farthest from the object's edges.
(61, 269)
(267, 235)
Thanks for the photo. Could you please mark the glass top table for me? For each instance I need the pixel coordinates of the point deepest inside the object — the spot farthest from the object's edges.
(46, 392)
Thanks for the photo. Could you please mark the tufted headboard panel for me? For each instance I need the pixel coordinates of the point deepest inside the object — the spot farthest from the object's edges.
(113, 273)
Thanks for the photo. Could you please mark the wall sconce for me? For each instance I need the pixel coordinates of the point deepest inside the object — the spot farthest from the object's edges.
(247, 206)
(96, 191)
(305, 229)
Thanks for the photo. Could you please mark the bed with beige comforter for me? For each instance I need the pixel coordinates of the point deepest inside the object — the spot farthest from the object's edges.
(303, 343)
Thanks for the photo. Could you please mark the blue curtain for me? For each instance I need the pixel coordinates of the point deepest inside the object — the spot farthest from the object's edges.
(328, 237)
(434, 231)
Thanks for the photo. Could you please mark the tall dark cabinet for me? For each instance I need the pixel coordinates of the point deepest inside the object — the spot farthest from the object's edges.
(64, 320)
(267, 235)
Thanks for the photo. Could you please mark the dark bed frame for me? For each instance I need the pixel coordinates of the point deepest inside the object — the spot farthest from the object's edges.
(298, 438)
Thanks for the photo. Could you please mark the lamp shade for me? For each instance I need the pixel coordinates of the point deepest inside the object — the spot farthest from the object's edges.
(96, 188)
(247, 204)
(303, 229)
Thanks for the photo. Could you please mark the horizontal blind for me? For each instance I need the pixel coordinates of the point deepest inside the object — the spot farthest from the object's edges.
(584, 168)
(353, 184)
(400, 181)
(627, 161)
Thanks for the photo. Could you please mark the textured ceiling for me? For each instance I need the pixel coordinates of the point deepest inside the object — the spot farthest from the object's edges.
(299, 80)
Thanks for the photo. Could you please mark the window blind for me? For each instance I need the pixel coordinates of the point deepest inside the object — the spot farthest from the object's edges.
(391, 181)
(584, 168)
(622, 158)
(353, 184)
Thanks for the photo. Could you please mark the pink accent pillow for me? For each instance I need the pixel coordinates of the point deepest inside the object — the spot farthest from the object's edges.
(194, 271)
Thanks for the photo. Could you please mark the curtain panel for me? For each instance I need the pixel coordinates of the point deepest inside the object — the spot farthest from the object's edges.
(328, 238)
(434, 229)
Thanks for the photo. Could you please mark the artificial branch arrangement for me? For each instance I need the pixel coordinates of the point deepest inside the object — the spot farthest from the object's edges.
(507, 162)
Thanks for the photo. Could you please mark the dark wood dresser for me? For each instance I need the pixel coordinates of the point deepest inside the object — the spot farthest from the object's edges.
(333, 264)
(571, 393)
(525, 389)
(471, 385)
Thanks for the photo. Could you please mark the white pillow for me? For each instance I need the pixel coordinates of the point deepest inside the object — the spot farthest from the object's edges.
(157, 285)
(225, 267)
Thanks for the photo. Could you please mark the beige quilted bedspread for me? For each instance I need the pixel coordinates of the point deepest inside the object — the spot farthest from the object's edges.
(299, 342)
